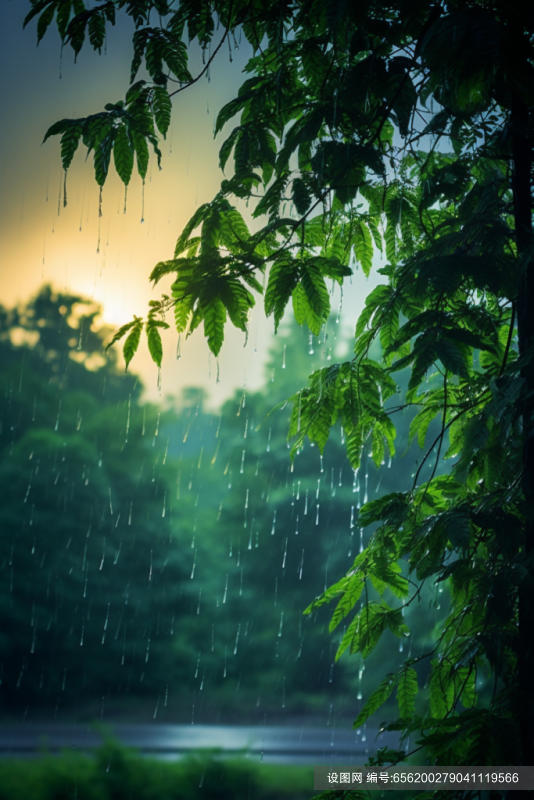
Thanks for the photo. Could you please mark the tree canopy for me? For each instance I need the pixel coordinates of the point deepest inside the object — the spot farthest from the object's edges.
(404, 127)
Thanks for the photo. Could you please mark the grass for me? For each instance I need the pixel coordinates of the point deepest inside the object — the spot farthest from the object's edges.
(116, 773)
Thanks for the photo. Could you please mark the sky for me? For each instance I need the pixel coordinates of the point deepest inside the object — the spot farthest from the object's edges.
(42, 241)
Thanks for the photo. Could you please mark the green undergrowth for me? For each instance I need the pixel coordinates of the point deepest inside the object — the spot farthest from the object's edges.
(116, 773)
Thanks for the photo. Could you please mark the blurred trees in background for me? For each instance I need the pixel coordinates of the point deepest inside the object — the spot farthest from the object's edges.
(158, 560)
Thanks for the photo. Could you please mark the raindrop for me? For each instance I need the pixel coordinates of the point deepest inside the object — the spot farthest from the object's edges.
(274, 524)
(285, 554)
(57, 420)
(317, 514)
(301, 565)
(237, 638)
(194, 564)
(224, 673)
(281, 624)
(310, 344)
(199, 596)
(340, 307)
(99, 218)
(284, 358)
(142, 203)
(225, 589)
(297, 526)
(150, 570)
(269, 441)
(306, 504)
(322, 465)
(241, 469)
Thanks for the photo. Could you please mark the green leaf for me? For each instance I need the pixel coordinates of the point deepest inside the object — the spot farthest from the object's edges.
(69, 142)
(301, 196)
(141, 150)
(352, 593)
(228, 145)
(283, 278)
(121, 332)
(375, 700)
(407, 689)
(97, 30)
(441, 689)
(329, 594)
(132, 342)
(301, 306)
(214, 321)
(123, 155)
(155, 346)
(44, 20)
(363, 247)
(317, 296)
(452, 357)
(162, 109)
(366, 629)
(198, 217)
(102, 158)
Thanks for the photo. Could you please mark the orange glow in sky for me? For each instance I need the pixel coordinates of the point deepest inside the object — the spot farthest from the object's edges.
(43, 241)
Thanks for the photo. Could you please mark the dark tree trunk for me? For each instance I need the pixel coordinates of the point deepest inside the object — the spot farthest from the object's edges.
(521, 184)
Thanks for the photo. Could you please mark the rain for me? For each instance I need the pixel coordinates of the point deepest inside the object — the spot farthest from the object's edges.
(158, 544)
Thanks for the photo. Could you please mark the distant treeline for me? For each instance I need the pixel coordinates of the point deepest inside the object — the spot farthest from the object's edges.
(157, 561)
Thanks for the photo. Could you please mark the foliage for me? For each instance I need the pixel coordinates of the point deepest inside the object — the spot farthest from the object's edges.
(407, 127)
(116, 773)
(160, 557)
